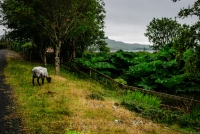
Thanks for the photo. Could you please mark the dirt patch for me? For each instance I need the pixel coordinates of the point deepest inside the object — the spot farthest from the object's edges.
(9, 123)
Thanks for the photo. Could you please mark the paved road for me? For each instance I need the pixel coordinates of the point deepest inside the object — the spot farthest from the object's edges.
(9, 123)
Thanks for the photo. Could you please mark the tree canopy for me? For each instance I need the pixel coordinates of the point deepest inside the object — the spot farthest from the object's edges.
(58, 21)
(162, 31)
(191, 39)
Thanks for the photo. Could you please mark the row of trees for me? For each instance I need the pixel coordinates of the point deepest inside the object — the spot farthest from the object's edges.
(183, 37)
(71, 25)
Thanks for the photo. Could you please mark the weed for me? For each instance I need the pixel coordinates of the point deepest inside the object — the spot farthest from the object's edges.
(140, 101)
(146, 105)
(95, 97)
(191, 119)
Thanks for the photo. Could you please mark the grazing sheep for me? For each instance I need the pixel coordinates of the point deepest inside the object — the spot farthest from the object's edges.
(40, 72)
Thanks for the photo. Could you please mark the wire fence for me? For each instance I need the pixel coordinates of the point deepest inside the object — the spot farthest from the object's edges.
(168, 100)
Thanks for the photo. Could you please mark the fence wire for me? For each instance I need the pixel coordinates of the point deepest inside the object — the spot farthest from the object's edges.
(168, 100)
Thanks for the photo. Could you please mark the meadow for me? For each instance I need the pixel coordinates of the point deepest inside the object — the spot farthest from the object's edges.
(72, 104)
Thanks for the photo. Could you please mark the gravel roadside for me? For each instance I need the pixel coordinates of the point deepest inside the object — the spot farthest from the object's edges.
(9, 123)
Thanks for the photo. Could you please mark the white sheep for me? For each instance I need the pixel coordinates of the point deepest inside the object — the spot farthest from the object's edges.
(40, 72)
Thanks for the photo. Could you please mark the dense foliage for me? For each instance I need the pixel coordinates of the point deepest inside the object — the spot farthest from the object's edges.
(190, 38)
(152, 71)
(162, 31)
(70, 25)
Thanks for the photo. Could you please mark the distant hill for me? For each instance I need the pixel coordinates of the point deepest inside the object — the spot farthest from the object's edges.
(116, 45)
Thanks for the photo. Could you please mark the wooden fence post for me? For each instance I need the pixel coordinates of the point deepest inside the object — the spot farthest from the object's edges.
(90, 73)
(116, 84)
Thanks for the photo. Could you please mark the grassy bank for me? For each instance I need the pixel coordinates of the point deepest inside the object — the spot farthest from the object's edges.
(72, 105)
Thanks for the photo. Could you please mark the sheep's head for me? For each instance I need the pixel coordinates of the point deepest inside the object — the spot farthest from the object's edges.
(49, 79)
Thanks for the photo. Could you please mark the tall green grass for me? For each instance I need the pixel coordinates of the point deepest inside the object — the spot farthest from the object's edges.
(149, 106)
(139, 101)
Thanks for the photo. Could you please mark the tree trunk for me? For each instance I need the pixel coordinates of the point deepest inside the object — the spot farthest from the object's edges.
(45, 58)
(73, 53)
(57, 58)
(30, 56)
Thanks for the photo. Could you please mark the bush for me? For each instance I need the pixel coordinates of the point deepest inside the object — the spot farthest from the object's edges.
(149, 107)
(159, 71)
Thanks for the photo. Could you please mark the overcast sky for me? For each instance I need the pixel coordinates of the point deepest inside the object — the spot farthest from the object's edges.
(127, 20)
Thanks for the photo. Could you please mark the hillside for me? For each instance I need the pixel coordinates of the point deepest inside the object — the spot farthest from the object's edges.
(68, 105)
(116, 45)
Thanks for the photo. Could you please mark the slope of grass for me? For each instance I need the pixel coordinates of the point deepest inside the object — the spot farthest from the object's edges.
(72, 105)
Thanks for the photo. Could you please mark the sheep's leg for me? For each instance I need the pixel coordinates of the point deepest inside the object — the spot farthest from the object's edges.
(42, 80)
(38, 81)
(33, 80)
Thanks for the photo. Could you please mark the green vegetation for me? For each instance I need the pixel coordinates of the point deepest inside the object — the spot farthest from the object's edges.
(150, 107)
(159, 71)
(184, 37)
(71, 104)
(162, 31)
(3, 42)
(140, 98)
(48, 24)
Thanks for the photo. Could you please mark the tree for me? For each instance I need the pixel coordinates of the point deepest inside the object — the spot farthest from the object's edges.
(192, 64)
(16, 16)
(185, 40)
(59, 20)
(91, 31)
(162, 31)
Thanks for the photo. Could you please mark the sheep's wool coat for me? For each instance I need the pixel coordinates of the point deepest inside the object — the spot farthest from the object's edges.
(40, 72)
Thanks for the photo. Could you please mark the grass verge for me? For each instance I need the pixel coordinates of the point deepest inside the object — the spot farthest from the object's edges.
(72, 105)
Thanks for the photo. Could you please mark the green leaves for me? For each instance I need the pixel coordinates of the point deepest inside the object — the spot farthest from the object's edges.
(171, 82)
(189, 39)
(103, 65)
(152, 71)
(162, 31)
(139, 70)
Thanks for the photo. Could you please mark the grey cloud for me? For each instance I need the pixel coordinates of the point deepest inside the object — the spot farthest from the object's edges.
(132, 16)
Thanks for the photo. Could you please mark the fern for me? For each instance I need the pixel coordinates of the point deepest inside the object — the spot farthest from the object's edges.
(170, 82)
